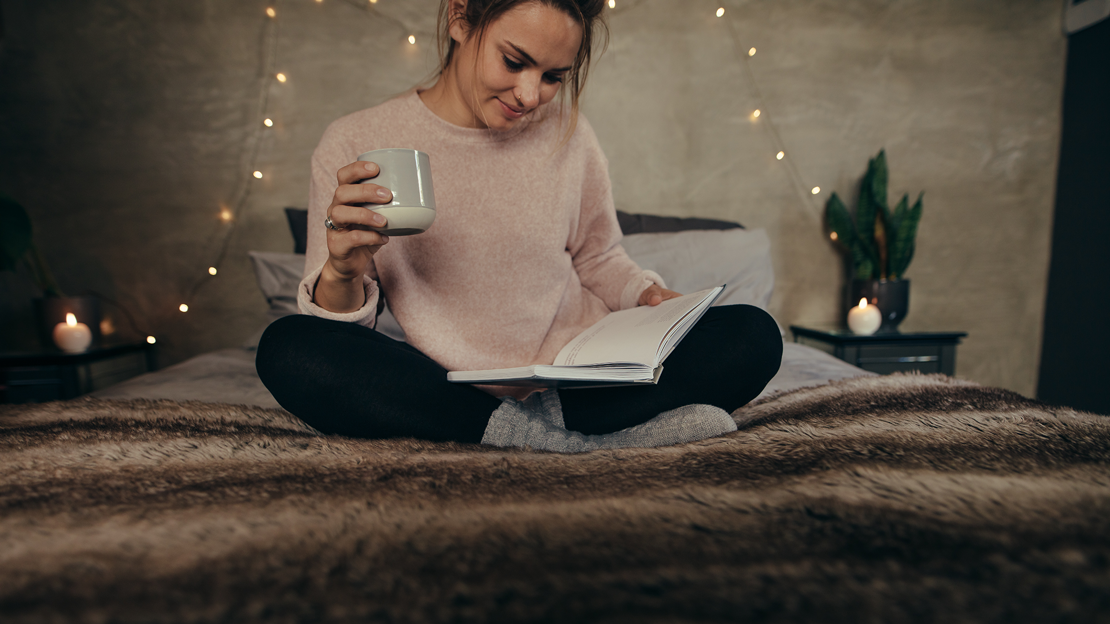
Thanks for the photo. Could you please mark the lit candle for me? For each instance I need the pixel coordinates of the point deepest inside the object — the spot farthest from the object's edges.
(71, 336)
(864, 319)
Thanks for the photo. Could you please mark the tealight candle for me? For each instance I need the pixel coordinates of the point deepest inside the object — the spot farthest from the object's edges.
(864, 319)
(71, 336)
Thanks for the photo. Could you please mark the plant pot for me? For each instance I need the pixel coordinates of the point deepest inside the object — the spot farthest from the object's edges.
(49, 311)
(892, 297)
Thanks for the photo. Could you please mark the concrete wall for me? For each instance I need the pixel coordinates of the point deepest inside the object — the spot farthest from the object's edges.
(128, 125)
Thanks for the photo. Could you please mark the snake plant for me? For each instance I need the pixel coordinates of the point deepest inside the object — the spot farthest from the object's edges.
(880, 241)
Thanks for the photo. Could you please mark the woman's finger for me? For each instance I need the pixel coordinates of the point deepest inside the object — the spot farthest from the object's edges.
(356, 171)
(344, 242)
(356, 217)
(369, 193)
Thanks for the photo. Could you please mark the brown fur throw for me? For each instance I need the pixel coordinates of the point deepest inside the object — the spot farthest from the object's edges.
(876, 499)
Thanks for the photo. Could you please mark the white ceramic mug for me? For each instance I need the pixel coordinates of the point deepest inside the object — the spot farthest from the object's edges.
(407, 173)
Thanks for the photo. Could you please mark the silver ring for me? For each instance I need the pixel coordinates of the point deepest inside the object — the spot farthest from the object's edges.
(331, 226)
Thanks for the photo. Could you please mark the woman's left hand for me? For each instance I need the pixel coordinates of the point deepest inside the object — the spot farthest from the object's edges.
(655, 294)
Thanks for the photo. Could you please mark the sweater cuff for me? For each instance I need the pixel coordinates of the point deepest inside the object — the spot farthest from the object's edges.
(630, 298)
(367, 315)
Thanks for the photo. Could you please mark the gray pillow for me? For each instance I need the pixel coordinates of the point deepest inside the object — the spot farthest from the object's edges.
(688, 261)
(698, 259)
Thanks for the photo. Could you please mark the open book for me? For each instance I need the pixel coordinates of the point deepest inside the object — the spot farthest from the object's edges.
(625, 347)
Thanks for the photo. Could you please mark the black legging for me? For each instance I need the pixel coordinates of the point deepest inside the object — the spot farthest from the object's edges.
(347, 379)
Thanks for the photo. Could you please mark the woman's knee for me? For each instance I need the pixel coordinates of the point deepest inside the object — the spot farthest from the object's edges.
(754, 337)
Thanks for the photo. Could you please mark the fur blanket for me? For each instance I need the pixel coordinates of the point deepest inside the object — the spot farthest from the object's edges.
(876, 499)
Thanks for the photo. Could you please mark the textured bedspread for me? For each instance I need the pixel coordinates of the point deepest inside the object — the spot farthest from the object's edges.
(875, 499)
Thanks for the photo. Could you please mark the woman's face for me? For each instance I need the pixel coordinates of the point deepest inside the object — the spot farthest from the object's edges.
(519, 65)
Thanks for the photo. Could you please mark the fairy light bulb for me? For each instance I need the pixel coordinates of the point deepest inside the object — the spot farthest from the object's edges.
(780, 155)
(833, 235)
(225, 215)
(373, 1)
(816, 190)
(269, 123)
(183, 308)
(720, 11)
(751, 51)
(212, 270)
(271, 12)
(412, 39)
(281, 77)
(612, 4)
(258, 174)
(151, 340)
(756, 113)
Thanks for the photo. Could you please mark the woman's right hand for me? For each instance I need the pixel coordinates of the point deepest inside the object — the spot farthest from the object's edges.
(351, 247)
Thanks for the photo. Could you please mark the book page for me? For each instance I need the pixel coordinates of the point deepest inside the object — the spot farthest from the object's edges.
(633, 335)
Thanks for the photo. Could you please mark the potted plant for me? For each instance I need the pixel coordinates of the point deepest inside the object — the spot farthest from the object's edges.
(17, 246)
(880, 243)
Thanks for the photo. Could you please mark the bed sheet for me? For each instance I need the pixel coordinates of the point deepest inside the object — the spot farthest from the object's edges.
(228, 376)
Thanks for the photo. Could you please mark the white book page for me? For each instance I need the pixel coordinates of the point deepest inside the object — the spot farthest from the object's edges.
(633, 335)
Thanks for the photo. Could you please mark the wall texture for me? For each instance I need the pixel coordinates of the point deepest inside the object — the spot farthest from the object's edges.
(126, 126)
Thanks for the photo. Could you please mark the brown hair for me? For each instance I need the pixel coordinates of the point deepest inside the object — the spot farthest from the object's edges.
(479, 14)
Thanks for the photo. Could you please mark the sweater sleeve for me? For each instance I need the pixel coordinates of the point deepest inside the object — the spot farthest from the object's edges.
(326, 161)
(603, 266)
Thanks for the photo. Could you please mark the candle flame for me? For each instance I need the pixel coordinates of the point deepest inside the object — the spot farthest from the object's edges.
(863, 303)
(71, 320)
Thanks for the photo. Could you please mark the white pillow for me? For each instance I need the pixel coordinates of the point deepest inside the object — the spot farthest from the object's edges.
(694, 260)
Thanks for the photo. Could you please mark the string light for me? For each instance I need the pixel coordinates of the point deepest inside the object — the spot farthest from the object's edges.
(612, 4)
(756, 113)
(816, 190)
(720, 11)
(271, 12)
(833, 235)
(258, 174)
(373, 1)
(412, 39)
(269, 123)
(183, 308)
(225, 215)
(211, 270)
(780, 155)
(151, 340)
(751, 52)
(281, 77)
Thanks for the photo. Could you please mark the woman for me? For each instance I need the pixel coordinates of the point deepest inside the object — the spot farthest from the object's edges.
(524, 254)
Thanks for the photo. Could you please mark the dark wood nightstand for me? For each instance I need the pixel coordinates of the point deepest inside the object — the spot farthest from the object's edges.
(53, 374)
(926, 352)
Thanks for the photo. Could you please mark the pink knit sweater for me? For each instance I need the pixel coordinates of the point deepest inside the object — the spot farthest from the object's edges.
(524, 253)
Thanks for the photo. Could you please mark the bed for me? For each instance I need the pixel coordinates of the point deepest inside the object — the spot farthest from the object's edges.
(189, 495)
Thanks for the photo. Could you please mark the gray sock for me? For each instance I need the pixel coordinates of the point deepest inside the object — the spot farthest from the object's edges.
(537, 422)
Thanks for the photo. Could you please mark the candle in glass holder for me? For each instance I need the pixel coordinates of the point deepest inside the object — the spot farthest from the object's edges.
(864, 319)
(71, 336)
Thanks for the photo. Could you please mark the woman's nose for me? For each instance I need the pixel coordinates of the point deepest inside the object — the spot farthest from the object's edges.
(530, 89)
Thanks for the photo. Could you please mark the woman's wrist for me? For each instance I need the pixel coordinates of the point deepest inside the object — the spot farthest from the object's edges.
(339, 293)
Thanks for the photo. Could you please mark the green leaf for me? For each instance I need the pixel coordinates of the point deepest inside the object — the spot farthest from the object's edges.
(15, 233)
(840, 222)
(905, 238)
(879, 179)
(865, 220)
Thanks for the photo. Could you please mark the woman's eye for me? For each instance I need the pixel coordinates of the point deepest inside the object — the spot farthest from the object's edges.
(553, 78)
(512, 65)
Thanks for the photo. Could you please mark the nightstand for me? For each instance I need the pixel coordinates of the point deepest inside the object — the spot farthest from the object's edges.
(51, 375)
(926, 352)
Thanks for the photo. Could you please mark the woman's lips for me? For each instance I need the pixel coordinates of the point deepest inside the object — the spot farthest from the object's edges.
(510, 112)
